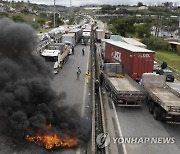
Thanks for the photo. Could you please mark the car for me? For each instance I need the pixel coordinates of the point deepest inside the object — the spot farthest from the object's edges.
(155, 66)
(168, 73)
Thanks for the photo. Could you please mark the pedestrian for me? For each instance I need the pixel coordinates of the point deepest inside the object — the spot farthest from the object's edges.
(83, 50)
(78, 73)
(73, 50)
(101, 77)
(96, 86)
(164, 65)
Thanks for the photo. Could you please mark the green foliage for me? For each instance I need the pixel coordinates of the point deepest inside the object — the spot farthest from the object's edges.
(155, 43)
(124, 25)
(41, 21)
(59, 21)
(3, 14)
(143, 30)
(108, 8)
(18, 18)
(71, 21)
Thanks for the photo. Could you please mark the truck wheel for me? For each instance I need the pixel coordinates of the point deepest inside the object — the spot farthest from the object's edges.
(151, 107)
(110, 93)
(156, 113)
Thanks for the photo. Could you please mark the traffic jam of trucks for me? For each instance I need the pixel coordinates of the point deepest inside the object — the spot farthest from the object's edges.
(131, 76)
(131, 79)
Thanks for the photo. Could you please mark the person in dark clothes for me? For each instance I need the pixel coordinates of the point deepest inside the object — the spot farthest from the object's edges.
(83, 51)
(101, 77)
(96, 86)
(73, 50)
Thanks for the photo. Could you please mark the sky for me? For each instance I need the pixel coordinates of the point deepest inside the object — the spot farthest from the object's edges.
(111, 2)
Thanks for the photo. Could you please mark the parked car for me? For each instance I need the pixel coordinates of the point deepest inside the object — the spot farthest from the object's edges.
(155, 66)
(168, 73)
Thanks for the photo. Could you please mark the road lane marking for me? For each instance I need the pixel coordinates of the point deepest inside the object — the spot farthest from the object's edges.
(119, 127)
(78, 151)
(85, 88)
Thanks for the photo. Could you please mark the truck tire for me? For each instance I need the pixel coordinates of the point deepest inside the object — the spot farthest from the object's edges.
(156, 113)
(110, 94)
(151, 106)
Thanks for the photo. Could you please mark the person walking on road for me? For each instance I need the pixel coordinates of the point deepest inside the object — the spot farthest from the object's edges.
(83, 50)
(78, 73)
(73, 50)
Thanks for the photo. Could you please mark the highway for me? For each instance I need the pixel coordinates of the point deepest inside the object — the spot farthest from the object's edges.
(175, 85)
(77, 91)
(138, 122)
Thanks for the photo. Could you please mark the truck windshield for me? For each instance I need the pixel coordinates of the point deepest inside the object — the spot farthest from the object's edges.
(51, 58)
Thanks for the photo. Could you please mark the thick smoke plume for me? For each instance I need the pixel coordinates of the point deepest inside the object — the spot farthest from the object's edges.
(27, 102)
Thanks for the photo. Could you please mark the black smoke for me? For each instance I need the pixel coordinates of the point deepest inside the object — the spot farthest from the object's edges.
(27, 101)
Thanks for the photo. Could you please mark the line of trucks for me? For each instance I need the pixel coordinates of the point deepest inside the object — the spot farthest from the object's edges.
(57, 54)
(130, 81)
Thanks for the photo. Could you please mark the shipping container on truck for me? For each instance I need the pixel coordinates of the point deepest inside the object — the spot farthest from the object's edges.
(163, 101)
(69, 37)
(135, 60)
(78, 34)
(86, 35)
(100, 34)
(123, 90)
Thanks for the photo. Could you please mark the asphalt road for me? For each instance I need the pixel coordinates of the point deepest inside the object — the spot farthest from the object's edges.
(137, 122)
(77, 91)
(175, 85)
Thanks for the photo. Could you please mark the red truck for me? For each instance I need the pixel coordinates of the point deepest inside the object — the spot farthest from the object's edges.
(135, 60)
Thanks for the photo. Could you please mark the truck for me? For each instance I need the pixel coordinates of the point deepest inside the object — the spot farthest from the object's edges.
(163, 101)
(69, 37)
(135, 60)
(100, 34)
(78, 34)
(123, 90)
(56, 57)
(86, 35)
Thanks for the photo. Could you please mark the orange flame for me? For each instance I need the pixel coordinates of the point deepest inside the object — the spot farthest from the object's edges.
(53, 140)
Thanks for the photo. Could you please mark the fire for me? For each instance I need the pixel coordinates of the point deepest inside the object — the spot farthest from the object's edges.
(53, 140)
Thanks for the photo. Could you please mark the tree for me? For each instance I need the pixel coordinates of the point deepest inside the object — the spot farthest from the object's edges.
(125, 25)
(155, 43)
(140, 4)
(143, 30)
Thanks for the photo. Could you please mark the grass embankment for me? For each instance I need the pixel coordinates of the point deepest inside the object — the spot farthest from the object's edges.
(172, 59)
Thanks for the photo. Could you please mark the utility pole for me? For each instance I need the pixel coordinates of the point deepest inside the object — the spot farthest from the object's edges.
(54, 15)
(179, 27)
(70, 3)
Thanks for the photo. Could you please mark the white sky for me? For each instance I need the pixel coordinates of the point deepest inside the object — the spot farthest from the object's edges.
(111, 2)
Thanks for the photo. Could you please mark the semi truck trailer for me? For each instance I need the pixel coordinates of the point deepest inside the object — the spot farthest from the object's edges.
(123, 90)
(163, 101)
